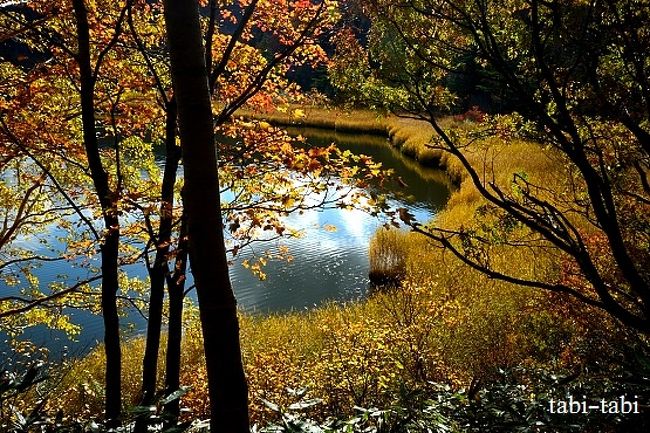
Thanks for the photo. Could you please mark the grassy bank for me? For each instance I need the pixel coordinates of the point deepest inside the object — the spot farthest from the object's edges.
(446, 324)
(409, 135)
(454, 330)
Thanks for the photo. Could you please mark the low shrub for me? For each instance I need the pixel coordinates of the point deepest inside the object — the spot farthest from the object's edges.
(517, 400)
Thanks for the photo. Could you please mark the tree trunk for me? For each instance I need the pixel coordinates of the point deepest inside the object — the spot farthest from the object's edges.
(159, 269)
(217, 306)
(113, 403)
(176, 287)
(108, 201)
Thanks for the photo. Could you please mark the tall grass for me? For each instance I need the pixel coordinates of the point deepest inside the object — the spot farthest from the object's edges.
(452, 328)
(409, 135)
(387, 256)
(359, 121)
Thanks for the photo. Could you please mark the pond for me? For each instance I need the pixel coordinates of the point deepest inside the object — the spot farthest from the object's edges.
(331, 257)
(332, 263)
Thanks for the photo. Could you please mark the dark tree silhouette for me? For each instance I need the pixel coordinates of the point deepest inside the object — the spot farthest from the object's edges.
(578, 73)
(218, 311)
(108, 199)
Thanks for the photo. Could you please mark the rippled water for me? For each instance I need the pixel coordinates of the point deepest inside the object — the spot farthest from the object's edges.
(333, 265)
(328, 264)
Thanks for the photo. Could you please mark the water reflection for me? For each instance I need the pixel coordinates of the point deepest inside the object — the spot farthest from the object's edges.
(333, 264)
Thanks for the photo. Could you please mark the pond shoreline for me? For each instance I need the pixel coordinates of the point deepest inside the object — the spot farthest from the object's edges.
(410, 136)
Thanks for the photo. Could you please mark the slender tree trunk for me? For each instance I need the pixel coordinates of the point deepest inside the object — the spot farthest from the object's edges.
(176, 287)
(109, 254)
(217, 306)
(152, 343)
(158, 271)
(108, 200)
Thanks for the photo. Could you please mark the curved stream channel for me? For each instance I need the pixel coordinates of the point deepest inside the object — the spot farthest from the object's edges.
(328, 264)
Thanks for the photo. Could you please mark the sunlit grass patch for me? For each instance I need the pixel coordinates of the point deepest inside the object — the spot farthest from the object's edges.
(365, 121)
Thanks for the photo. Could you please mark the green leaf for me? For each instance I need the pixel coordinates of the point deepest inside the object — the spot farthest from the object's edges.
(305, 404)
(274, 407)
(141, 410)
(175, 395)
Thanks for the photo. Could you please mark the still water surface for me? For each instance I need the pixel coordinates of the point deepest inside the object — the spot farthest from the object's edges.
(328, 264)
